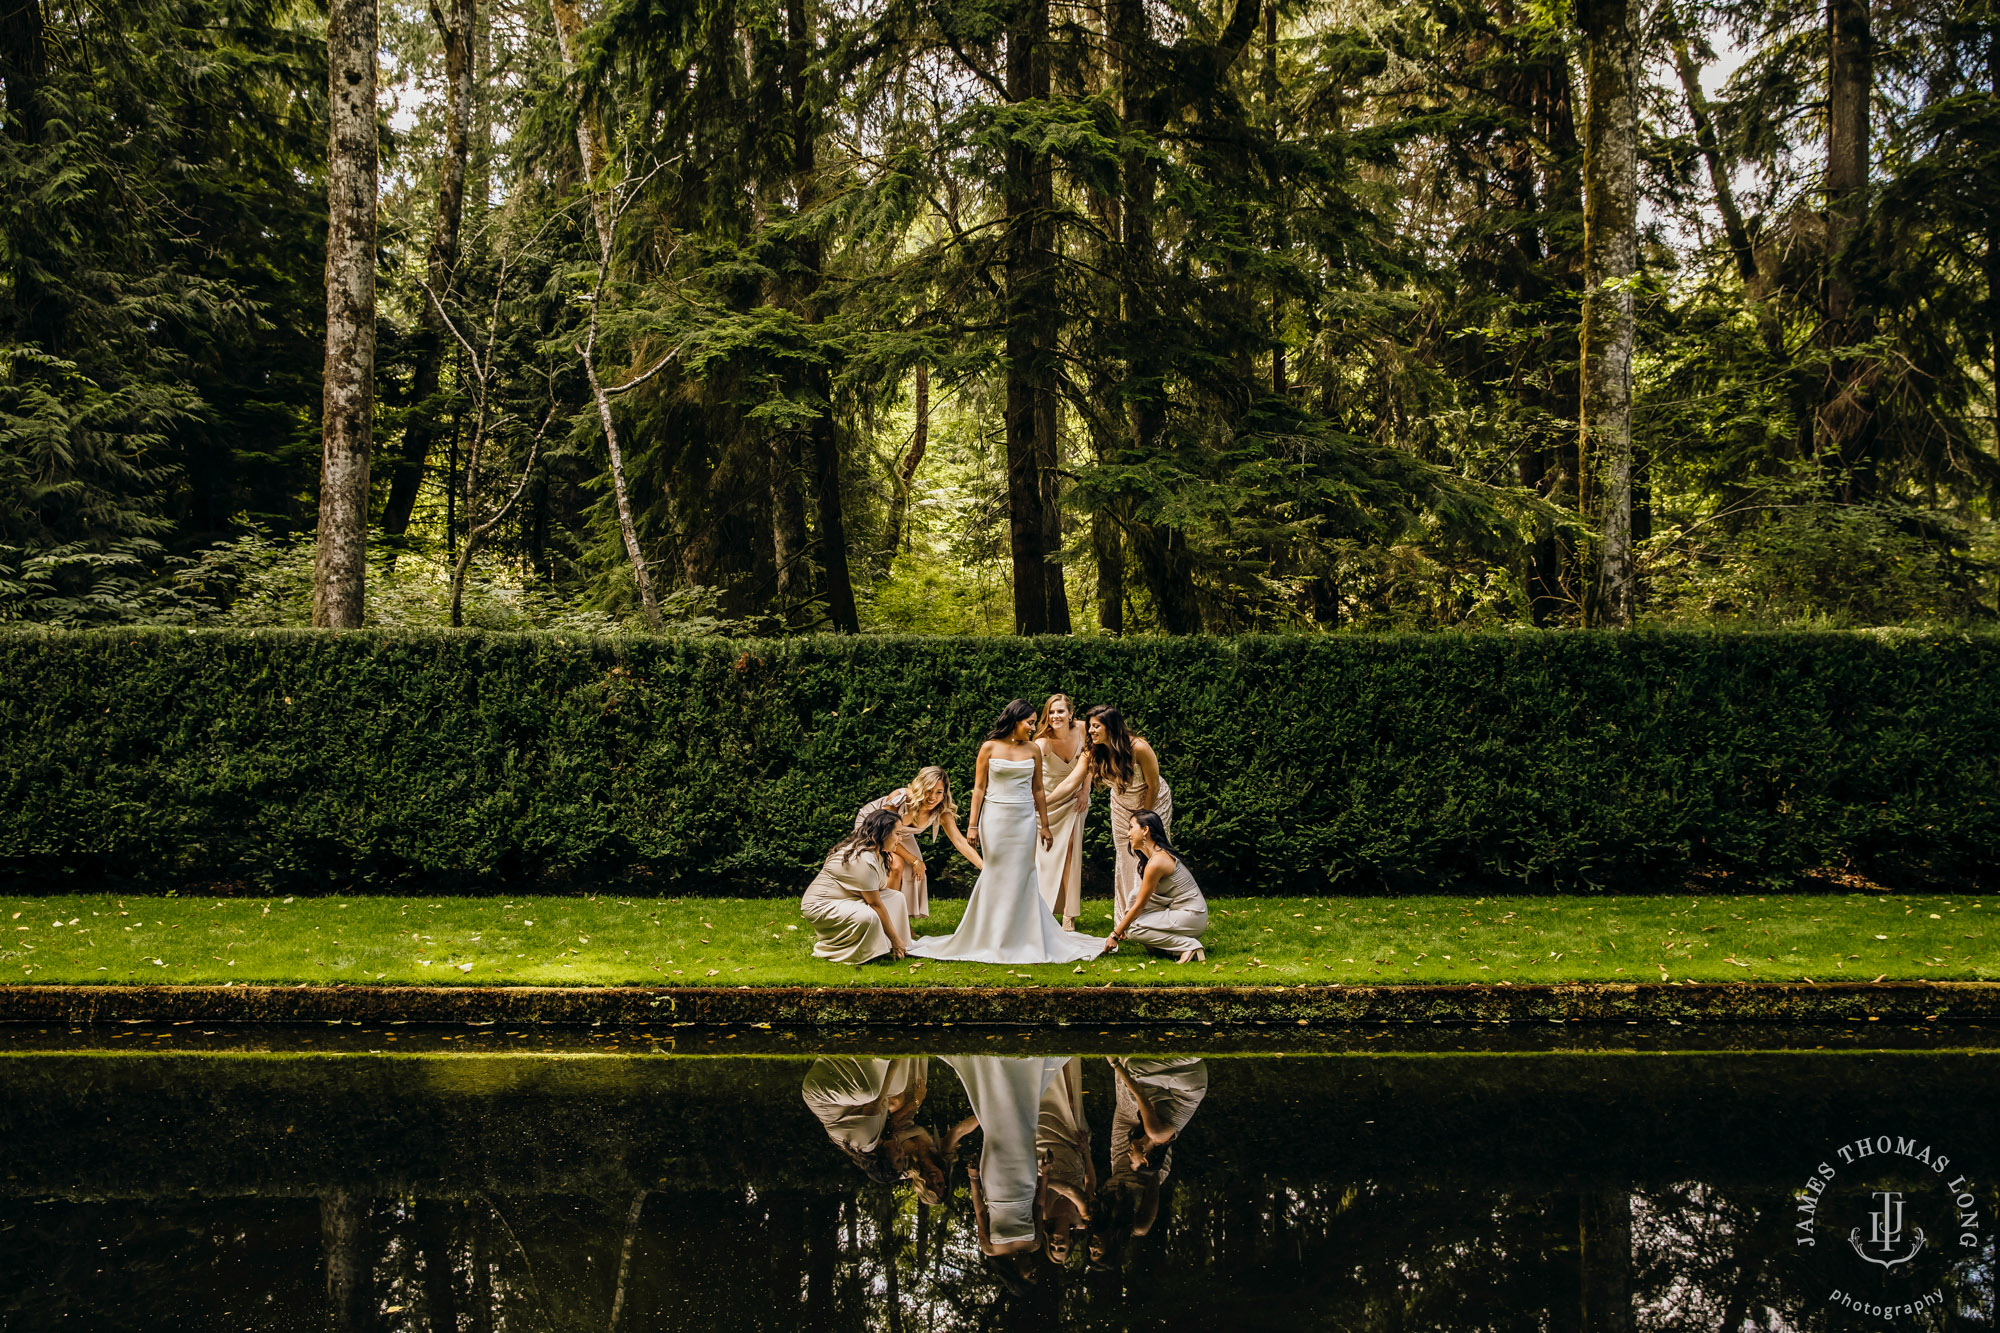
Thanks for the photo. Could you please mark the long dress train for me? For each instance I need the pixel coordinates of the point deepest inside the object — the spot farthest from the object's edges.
(1006, 920)
(1059, 868)
(1125, 804)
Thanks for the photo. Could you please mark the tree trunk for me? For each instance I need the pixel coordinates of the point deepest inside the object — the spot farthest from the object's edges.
(1605, 1245)
(590, 147)
(347, 429)
(1993, 253)
(24, 67)
(1734, 231)
(1280, 239)
(455, 31)
(589, 137)
(1026, 298)
(788, 526)
(1107, 547)
(1168, 570)
(1844, 416)
(906, 472)
(433, 1217)
(827, 510)
(344, 1234)
(822, 436)
(1610, 260)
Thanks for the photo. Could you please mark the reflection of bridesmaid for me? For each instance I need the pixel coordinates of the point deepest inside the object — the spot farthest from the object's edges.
(1006, 1095)
(849, 904)
(1066, 777)
(1155, 1100)
(924, 805)
(1127, 765)
(1069, 1177)
(869, 1108)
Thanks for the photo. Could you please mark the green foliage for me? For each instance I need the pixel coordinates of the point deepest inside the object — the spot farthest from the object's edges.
(1584, 762)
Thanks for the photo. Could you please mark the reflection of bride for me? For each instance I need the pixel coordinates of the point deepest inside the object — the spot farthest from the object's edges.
(1006, 1095)
(1006, 920)
(869, 1109)
(1155, 1100)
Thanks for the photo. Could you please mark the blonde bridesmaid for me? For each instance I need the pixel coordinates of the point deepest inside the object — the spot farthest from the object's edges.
(1066, 774)
(924, 805)
(851, 902)
(1069, 1176)
(1127, 765)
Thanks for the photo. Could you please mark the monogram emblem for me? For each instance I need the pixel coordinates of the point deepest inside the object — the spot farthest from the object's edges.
(1885, 1232)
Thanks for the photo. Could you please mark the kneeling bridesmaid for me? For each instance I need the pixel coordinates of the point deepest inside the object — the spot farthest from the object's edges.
(1167, 912)
(849, 902)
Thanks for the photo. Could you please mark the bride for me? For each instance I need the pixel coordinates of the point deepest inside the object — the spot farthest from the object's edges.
(1006, 920)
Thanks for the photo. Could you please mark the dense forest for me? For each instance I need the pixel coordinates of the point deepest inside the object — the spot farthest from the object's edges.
(977, 316)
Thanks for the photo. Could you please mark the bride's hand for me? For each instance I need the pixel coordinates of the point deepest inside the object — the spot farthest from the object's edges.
(1048, 837)
(899, 951)
(972, 834)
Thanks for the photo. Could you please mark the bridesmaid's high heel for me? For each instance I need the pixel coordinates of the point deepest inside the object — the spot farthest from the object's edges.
(1194, 955)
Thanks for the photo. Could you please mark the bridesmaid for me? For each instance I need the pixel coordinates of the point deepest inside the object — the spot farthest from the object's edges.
(1127, 765)
(869, 1108)
(924, 805)
(1066, 777)
(856, 918)
(1154, 1101)
(1069, 1177)
(1168, 912)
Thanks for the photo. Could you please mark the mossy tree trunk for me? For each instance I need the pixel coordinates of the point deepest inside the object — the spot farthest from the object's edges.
(347, 428)
(1610, 261)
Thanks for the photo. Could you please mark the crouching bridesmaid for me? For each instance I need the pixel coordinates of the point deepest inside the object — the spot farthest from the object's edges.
(1168, 912)
(850, 903)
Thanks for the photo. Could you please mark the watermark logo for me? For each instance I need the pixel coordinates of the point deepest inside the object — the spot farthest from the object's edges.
(1888, 1224)
(1885, 1232)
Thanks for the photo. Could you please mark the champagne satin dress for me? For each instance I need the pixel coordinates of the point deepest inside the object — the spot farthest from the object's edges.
(1125, 798)
(849, 930)
(916, 886)
(1175, 915)
(1006, 920)
(850, 1096)
(1059, 868)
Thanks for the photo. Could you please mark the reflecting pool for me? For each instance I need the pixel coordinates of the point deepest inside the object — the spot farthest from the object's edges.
(493, 1180)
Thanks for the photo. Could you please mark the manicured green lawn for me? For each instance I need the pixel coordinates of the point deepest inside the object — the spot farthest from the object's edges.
(733, 941)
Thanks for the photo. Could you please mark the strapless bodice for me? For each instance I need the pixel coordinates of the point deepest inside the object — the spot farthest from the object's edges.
(1010, 781)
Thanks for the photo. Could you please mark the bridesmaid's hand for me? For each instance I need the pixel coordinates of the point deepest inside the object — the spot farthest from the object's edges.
(1048, 837)
(899, 951)
(972, 834)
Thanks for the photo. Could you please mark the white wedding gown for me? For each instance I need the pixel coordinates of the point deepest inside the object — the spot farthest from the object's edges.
(1006, 920)
(1006, 1096)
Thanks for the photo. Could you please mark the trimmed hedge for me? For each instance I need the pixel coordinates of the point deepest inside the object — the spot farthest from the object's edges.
(435, 761)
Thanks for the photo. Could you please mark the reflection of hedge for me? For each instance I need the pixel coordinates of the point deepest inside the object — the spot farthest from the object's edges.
(303, 760)
(165, 1125)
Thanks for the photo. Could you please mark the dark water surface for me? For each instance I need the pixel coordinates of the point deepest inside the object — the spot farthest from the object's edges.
(518, 1180)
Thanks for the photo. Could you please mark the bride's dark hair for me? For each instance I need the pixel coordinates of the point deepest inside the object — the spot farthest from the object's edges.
(872, 836)
(1012, 716)
(1115, 754)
